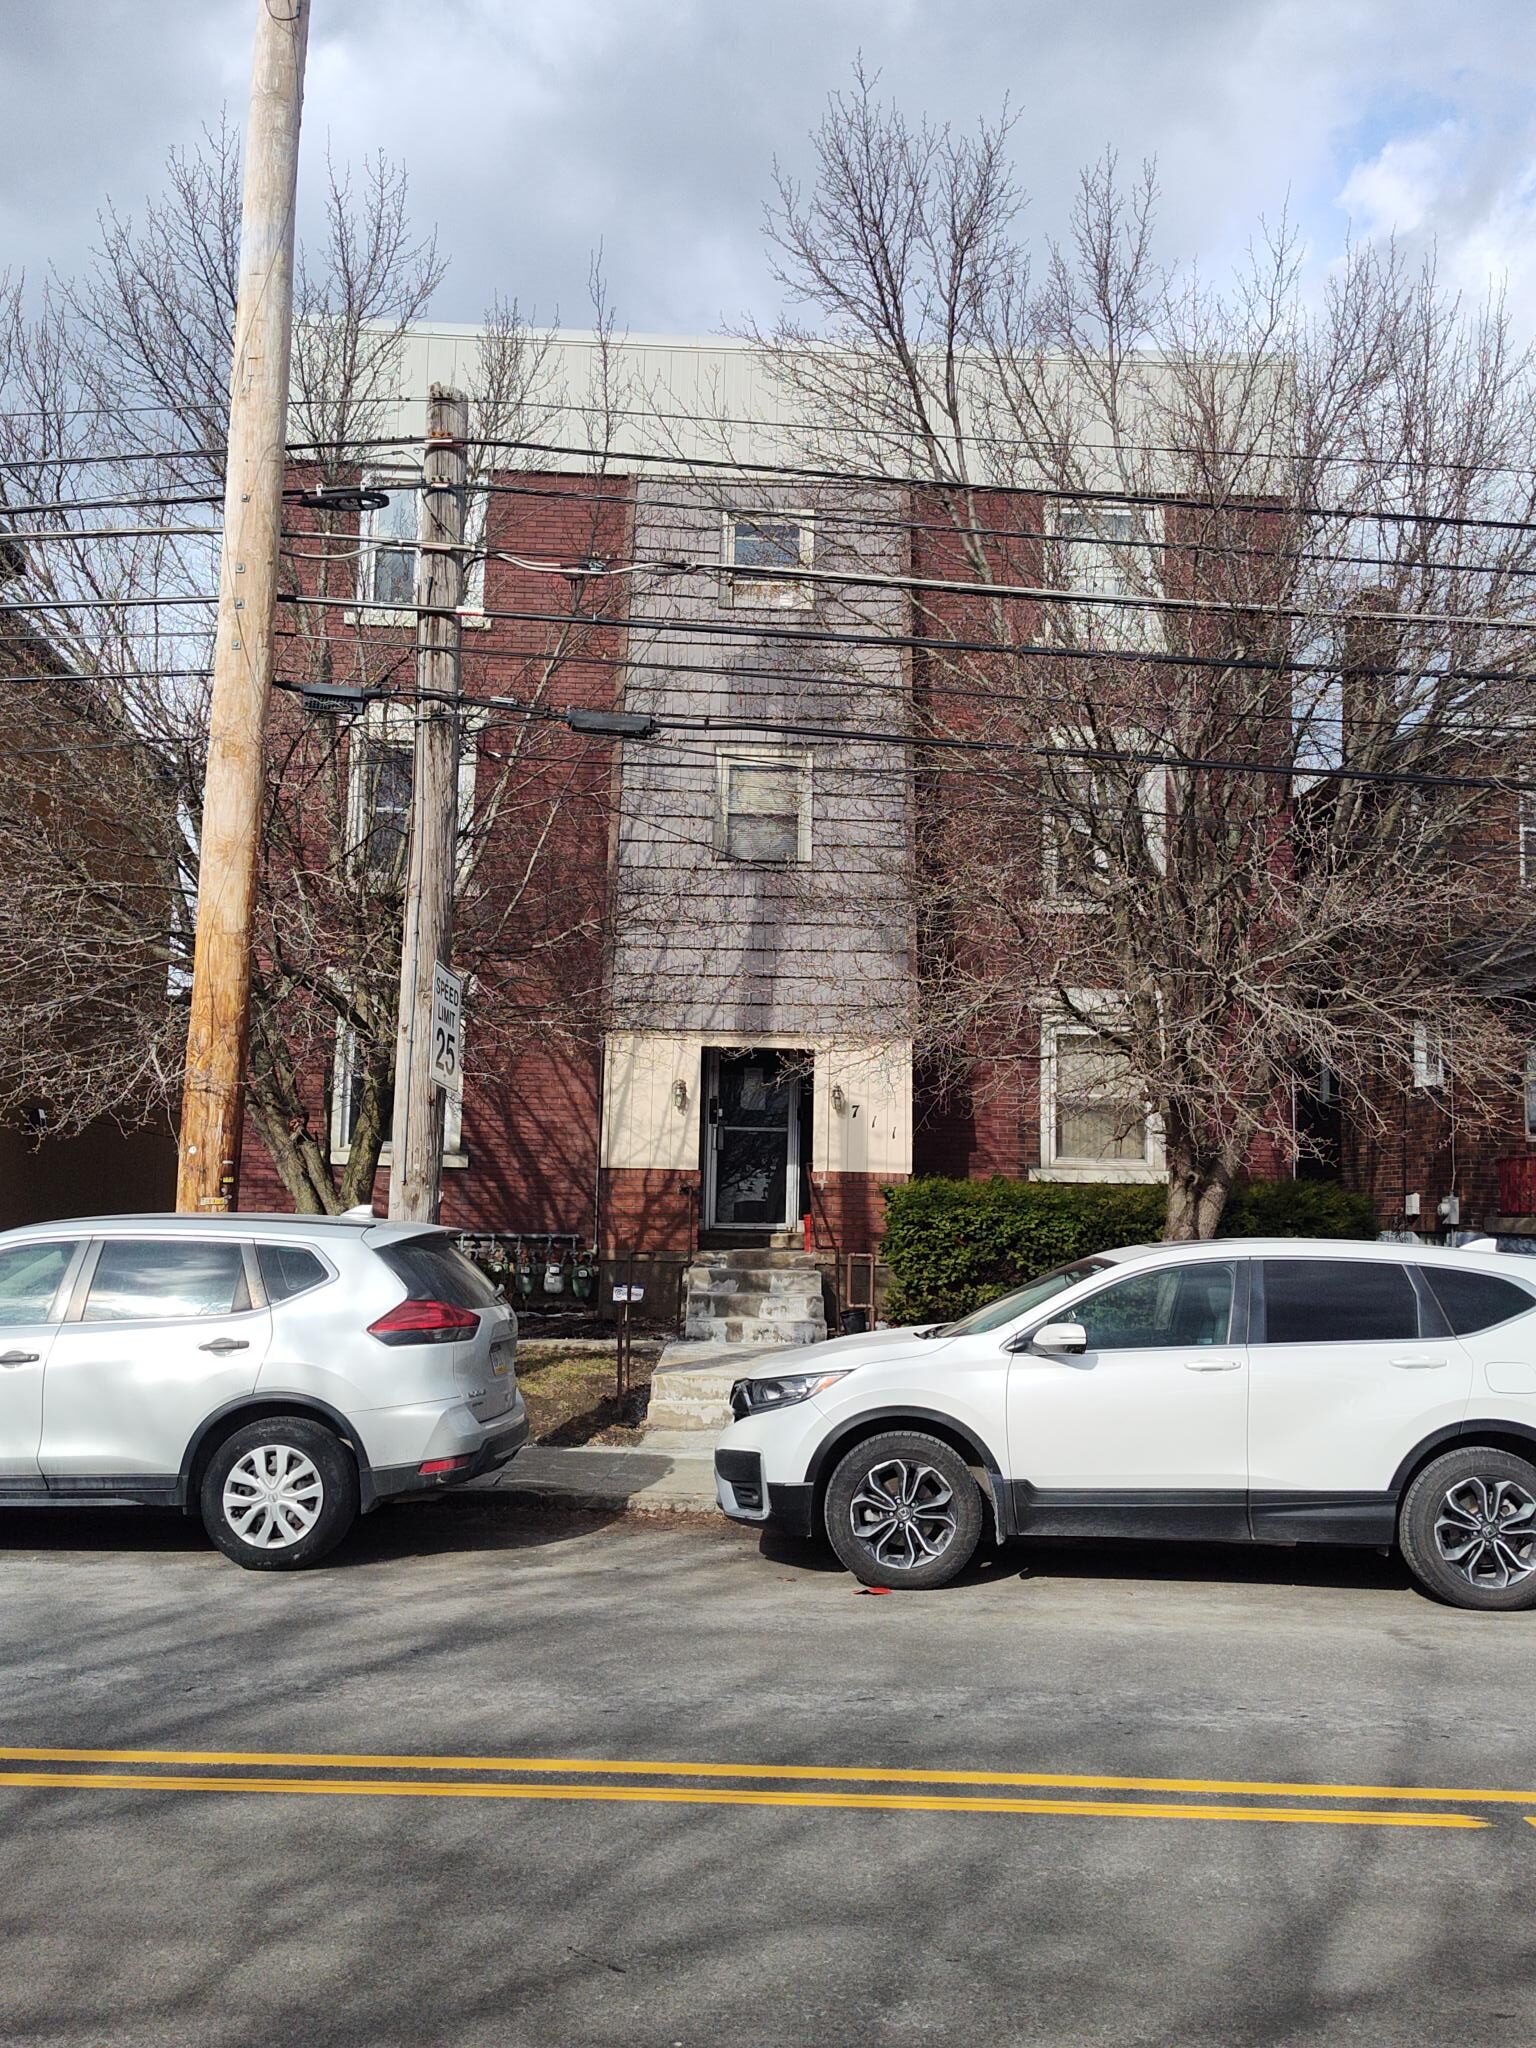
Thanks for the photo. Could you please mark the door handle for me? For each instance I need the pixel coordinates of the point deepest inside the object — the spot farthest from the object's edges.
(18, 1357)
(1419, 1364)
(1212, 1364)
(226, 1344)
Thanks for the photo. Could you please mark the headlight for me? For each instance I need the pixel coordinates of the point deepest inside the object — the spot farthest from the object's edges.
(753, 1397)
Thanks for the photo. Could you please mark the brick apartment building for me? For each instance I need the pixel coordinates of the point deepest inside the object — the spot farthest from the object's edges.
(737, 994)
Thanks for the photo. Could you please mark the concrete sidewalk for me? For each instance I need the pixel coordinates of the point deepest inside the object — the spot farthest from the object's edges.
(673, 1472)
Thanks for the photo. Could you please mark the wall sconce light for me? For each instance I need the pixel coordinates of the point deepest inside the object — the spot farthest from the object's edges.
(839, 1101)
(680, 1093)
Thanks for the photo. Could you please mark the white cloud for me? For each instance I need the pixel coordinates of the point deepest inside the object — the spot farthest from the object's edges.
(1398, 190)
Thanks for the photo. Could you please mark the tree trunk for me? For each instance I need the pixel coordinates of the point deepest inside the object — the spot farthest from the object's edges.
(1199, 1183)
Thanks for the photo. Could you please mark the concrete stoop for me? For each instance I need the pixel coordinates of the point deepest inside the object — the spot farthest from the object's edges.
(753, 1298)
(691, 1385)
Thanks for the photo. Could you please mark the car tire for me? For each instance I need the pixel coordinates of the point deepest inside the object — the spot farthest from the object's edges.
(903, 1510)
(279, 1494)
(1447, 1529)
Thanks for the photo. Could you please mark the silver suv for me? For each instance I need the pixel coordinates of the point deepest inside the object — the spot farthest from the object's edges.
(278, 1375)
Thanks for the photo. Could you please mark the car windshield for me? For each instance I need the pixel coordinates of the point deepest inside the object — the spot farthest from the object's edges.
(993, 1314)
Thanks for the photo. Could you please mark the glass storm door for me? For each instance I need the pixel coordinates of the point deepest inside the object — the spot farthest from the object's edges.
(752, 1161)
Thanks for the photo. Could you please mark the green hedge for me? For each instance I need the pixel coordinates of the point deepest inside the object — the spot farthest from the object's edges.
(953, 1244)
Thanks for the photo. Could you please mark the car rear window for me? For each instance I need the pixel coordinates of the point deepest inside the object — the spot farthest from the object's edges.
(1338, 1301)
(147, 1280)
(287, 1269)
(1475, 1301)
(435, 1270)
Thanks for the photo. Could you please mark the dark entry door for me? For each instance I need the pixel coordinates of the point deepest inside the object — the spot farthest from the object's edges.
(752, 1166)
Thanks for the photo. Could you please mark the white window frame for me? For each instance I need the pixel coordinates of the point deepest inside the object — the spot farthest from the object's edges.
(370, 542)
(1055, 885)
(343, 1072)
(727, 758)
(739, 588)
(1429, 1056)
(1525, 831)
(1529, 1092)
(1150, 1168)
(1117, 628)
(394, 725)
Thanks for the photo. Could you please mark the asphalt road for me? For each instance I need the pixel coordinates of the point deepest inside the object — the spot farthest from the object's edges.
(180, 1899)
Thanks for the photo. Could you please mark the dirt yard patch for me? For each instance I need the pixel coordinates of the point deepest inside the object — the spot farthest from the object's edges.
(569, 1389)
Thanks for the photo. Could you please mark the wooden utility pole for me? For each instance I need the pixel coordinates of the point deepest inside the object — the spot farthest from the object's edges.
(416, 1169)
(213, 1102)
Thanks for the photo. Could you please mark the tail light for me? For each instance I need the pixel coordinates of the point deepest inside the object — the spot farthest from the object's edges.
(425, 1322)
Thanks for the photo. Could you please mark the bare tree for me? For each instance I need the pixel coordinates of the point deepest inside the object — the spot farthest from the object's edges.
(1202, 570)
(115, 388)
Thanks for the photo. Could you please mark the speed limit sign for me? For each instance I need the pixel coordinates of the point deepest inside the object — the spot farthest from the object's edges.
(447, 1029)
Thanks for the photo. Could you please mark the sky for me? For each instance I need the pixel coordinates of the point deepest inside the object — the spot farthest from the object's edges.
(536, 130)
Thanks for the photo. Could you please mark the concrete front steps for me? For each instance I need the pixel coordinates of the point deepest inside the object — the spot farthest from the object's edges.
(754, 1297)
(741, 1305)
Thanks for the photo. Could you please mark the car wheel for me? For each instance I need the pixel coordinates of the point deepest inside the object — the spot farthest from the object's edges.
(278, 1495)
(1467, 1529)
(903, 1510)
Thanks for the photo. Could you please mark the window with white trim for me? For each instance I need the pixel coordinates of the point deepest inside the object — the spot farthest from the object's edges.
(1082, 802)
(387, 550)
(764, 810)
(347, 1102)
(1526, 829)
(1102, 550)
(382, 776)
(1095, 1122)
(1530, 1094)
(768, 540)
(1429, 1068)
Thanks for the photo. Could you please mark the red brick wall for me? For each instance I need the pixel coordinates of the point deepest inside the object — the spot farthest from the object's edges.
(646, 1210)
(848, 1210)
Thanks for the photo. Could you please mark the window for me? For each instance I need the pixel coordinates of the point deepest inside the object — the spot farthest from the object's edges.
(287, 1269)
(765, 807)
(1530, 1093)
(29, 1279)
(381, 799)
(768, 540)
(435, 1270)
(1526, 828)
(1093, 810)
(1475, 1301)
(1174, 1305)
(1338, 1301)
(347, 1102)
(1075, 856)
(1102, 550)
(1428, 1056)
(1009, 1307)
(387, 553)
(139, 1280)
(1095, 1124)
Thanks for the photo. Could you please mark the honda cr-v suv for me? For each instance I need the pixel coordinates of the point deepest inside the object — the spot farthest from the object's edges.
(1268, 1392)
(277, 1375)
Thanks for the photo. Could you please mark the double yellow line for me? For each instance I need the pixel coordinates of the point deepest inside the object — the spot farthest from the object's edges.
(680, 1783)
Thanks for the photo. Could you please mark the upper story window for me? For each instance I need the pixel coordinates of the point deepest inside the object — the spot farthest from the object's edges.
(383, 775)
(768, 540)
(1109, 551)
(1526, 828)
(764, 807)
(386, 579)
(1429, 1066)
(1099, 817)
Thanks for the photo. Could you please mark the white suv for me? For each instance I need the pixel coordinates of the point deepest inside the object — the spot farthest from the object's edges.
(1282, 1391)
(278, 1375)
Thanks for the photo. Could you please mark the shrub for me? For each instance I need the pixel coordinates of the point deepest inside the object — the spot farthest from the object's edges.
(953, 1244)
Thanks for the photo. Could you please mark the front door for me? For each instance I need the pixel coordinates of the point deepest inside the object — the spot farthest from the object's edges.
(752, 1142)
(1145, 1432)
(32, 1295)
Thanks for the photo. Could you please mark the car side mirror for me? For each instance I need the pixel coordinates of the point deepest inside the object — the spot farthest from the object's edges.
(1068, 1337)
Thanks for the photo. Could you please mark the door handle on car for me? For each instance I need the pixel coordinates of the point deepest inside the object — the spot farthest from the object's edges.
(1212, 1364)
(1419, 1364)
(225, 1344)
(18, 1357)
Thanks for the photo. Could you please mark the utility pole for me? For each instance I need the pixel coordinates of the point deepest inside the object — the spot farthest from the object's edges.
(416, 1169)
(213, 1103)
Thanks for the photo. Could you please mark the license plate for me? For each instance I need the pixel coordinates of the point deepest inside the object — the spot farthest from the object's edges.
(502, 1356)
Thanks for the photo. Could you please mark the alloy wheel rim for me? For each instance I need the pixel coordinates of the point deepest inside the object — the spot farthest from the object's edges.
(1485, 1529)
(273, 1497)
(904, 1514)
